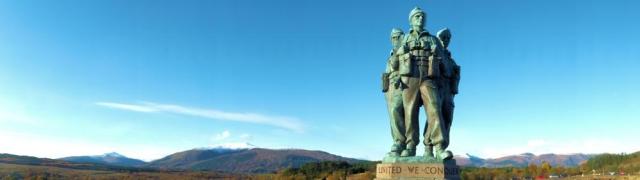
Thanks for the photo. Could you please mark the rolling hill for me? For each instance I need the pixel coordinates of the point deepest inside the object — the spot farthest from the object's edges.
(521, 160)
(108, 158)
(35, 161)
(256, 160)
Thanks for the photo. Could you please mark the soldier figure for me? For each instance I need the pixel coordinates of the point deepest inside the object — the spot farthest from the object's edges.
(420, 57)
(449, 79)
(392, 87)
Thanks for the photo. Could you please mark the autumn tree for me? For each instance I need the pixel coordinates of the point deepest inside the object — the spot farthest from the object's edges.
(545, 169)
(533, 169)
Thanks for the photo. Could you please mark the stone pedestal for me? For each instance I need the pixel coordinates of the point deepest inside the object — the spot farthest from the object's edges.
(410, 168)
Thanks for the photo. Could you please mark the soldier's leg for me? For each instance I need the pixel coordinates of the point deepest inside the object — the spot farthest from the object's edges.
(398, 113)
(447, 113)
(394, 135)
(433, 106)
(428, 146)
(396, 116)
(411, 103)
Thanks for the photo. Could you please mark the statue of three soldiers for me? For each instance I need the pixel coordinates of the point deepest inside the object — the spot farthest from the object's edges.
(420, 72)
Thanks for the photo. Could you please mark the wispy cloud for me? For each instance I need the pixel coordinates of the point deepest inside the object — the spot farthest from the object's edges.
(223, 135)
(129, 107)
(227, 136)
(245, 136)
(147, 107)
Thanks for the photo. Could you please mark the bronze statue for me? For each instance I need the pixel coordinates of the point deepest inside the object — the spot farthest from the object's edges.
(420, 72)
(393, 95)
(429, 78)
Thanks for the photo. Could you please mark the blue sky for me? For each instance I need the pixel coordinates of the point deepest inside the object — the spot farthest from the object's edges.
(149, 78)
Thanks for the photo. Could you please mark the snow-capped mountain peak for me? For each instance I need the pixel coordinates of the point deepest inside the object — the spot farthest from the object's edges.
(234, 146)
(113, 154)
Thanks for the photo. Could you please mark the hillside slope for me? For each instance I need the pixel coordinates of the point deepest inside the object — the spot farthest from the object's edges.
(108, 158)
(257, 160)
(522, 160)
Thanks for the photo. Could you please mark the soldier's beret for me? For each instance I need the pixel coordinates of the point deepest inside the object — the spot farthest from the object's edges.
(444, 33)
(396, 31)
(415, 11)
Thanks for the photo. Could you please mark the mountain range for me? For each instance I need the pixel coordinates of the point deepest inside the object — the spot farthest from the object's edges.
(244, 158)
(521, 160)
(249, 159)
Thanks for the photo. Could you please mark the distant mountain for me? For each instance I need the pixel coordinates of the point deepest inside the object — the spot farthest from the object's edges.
(108, 158)
(186, 159)
(243, 160)
(231, 158)
(522, 160)
(29, 167)
(30, 160)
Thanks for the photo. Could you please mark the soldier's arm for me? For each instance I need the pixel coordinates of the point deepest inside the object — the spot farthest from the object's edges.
(455, 80)
(436, 57)
(389, 67)
(394, 62)
(436, 47)
(392, 66)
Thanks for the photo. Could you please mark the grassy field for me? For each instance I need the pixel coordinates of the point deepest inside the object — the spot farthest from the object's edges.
(15, 171)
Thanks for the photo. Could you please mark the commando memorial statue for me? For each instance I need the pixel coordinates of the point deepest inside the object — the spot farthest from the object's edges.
(419, 72)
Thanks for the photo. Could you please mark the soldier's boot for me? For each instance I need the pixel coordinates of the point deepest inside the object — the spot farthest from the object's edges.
(441, 154)
(396, 149)
(428, 151)
(408, 152)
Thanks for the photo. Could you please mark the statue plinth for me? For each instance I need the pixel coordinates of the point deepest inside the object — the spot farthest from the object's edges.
(416, 167)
